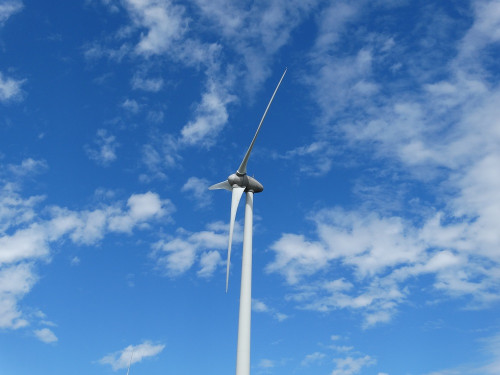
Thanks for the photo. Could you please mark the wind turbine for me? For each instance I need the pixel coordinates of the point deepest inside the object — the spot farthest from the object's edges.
(238, 183)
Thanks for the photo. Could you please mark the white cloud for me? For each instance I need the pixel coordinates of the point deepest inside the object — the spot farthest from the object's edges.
(491, 347)
(313, 358)
(144, 206)
(24, 244)
(160, 154)
(105, 148)
(26, 236)
(261, 307)
(209, 261)
(95, 50)
(315, 159)
(382, 254)
(8, 8)
(147, 84)
(254, 32)
(45, 335)
(489, 364)
(446, 136)
(483, 31)
(15, 282)
(14, 209)
(347, 365)
(131, 354)
(351, 365)
(141, 208)
(211, 116)
(131, 105)
(163, 28)
(10, 88)
(266, 363)
(197, 189)
(332, 24)
(296, 257)
(164, 22)
(342, 348)
(177, 254)
(28, 166)
(38, 314)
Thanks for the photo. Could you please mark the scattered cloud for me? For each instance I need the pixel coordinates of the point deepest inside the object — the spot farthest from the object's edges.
(75, 261)
(351, 365)
(141, 208)
(7, 9)
(163, 28)
(261, 307)
(16, 210)
(313, 358)
(16, 281)
(162, 153)
(42, 318)
(104, 150)
(360, 242)
(45, 335)
(445, 133)
(27, 233)
(28, 167)
(266, 364)
(10, 88)
(131, 354)
(211, 116)
(177, 254)
(316, 158)
(197, 189)
(147, 84)
(165, 24)
(491, 347)
(255, 32)
(131, 106)
(209, 261)
(347, 360)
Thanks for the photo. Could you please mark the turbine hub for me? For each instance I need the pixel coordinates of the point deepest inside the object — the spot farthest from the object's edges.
(249, 183)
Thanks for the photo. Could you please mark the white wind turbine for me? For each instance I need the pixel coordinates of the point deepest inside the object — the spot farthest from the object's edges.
(238, 183)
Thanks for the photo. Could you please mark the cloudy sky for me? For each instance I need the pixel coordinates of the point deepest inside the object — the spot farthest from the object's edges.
(376, 239)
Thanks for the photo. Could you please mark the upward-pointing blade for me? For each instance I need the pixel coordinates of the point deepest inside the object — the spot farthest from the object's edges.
(235, 200)
(243, 166)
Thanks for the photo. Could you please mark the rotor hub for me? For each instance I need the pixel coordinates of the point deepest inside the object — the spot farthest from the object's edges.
(249, 183)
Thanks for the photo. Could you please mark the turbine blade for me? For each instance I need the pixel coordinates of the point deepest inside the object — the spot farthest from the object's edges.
(221, 185)
(235, 200)
(242, 170)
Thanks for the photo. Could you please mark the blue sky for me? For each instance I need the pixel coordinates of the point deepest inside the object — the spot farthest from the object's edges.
(377, 236)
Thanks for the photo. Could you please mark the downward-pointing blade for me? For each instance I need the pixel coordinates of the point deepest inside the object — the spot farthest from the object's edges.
(221, 185)
(235, 200)
(243, 166)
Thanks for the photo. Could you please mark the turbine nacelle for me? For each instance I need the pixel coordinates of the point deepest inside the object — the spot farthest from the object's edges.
(249, 183)
(239, 181)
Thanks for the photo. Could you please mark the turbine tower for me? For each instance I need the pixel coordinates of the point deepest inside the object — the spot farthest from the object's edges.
(238, 183)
